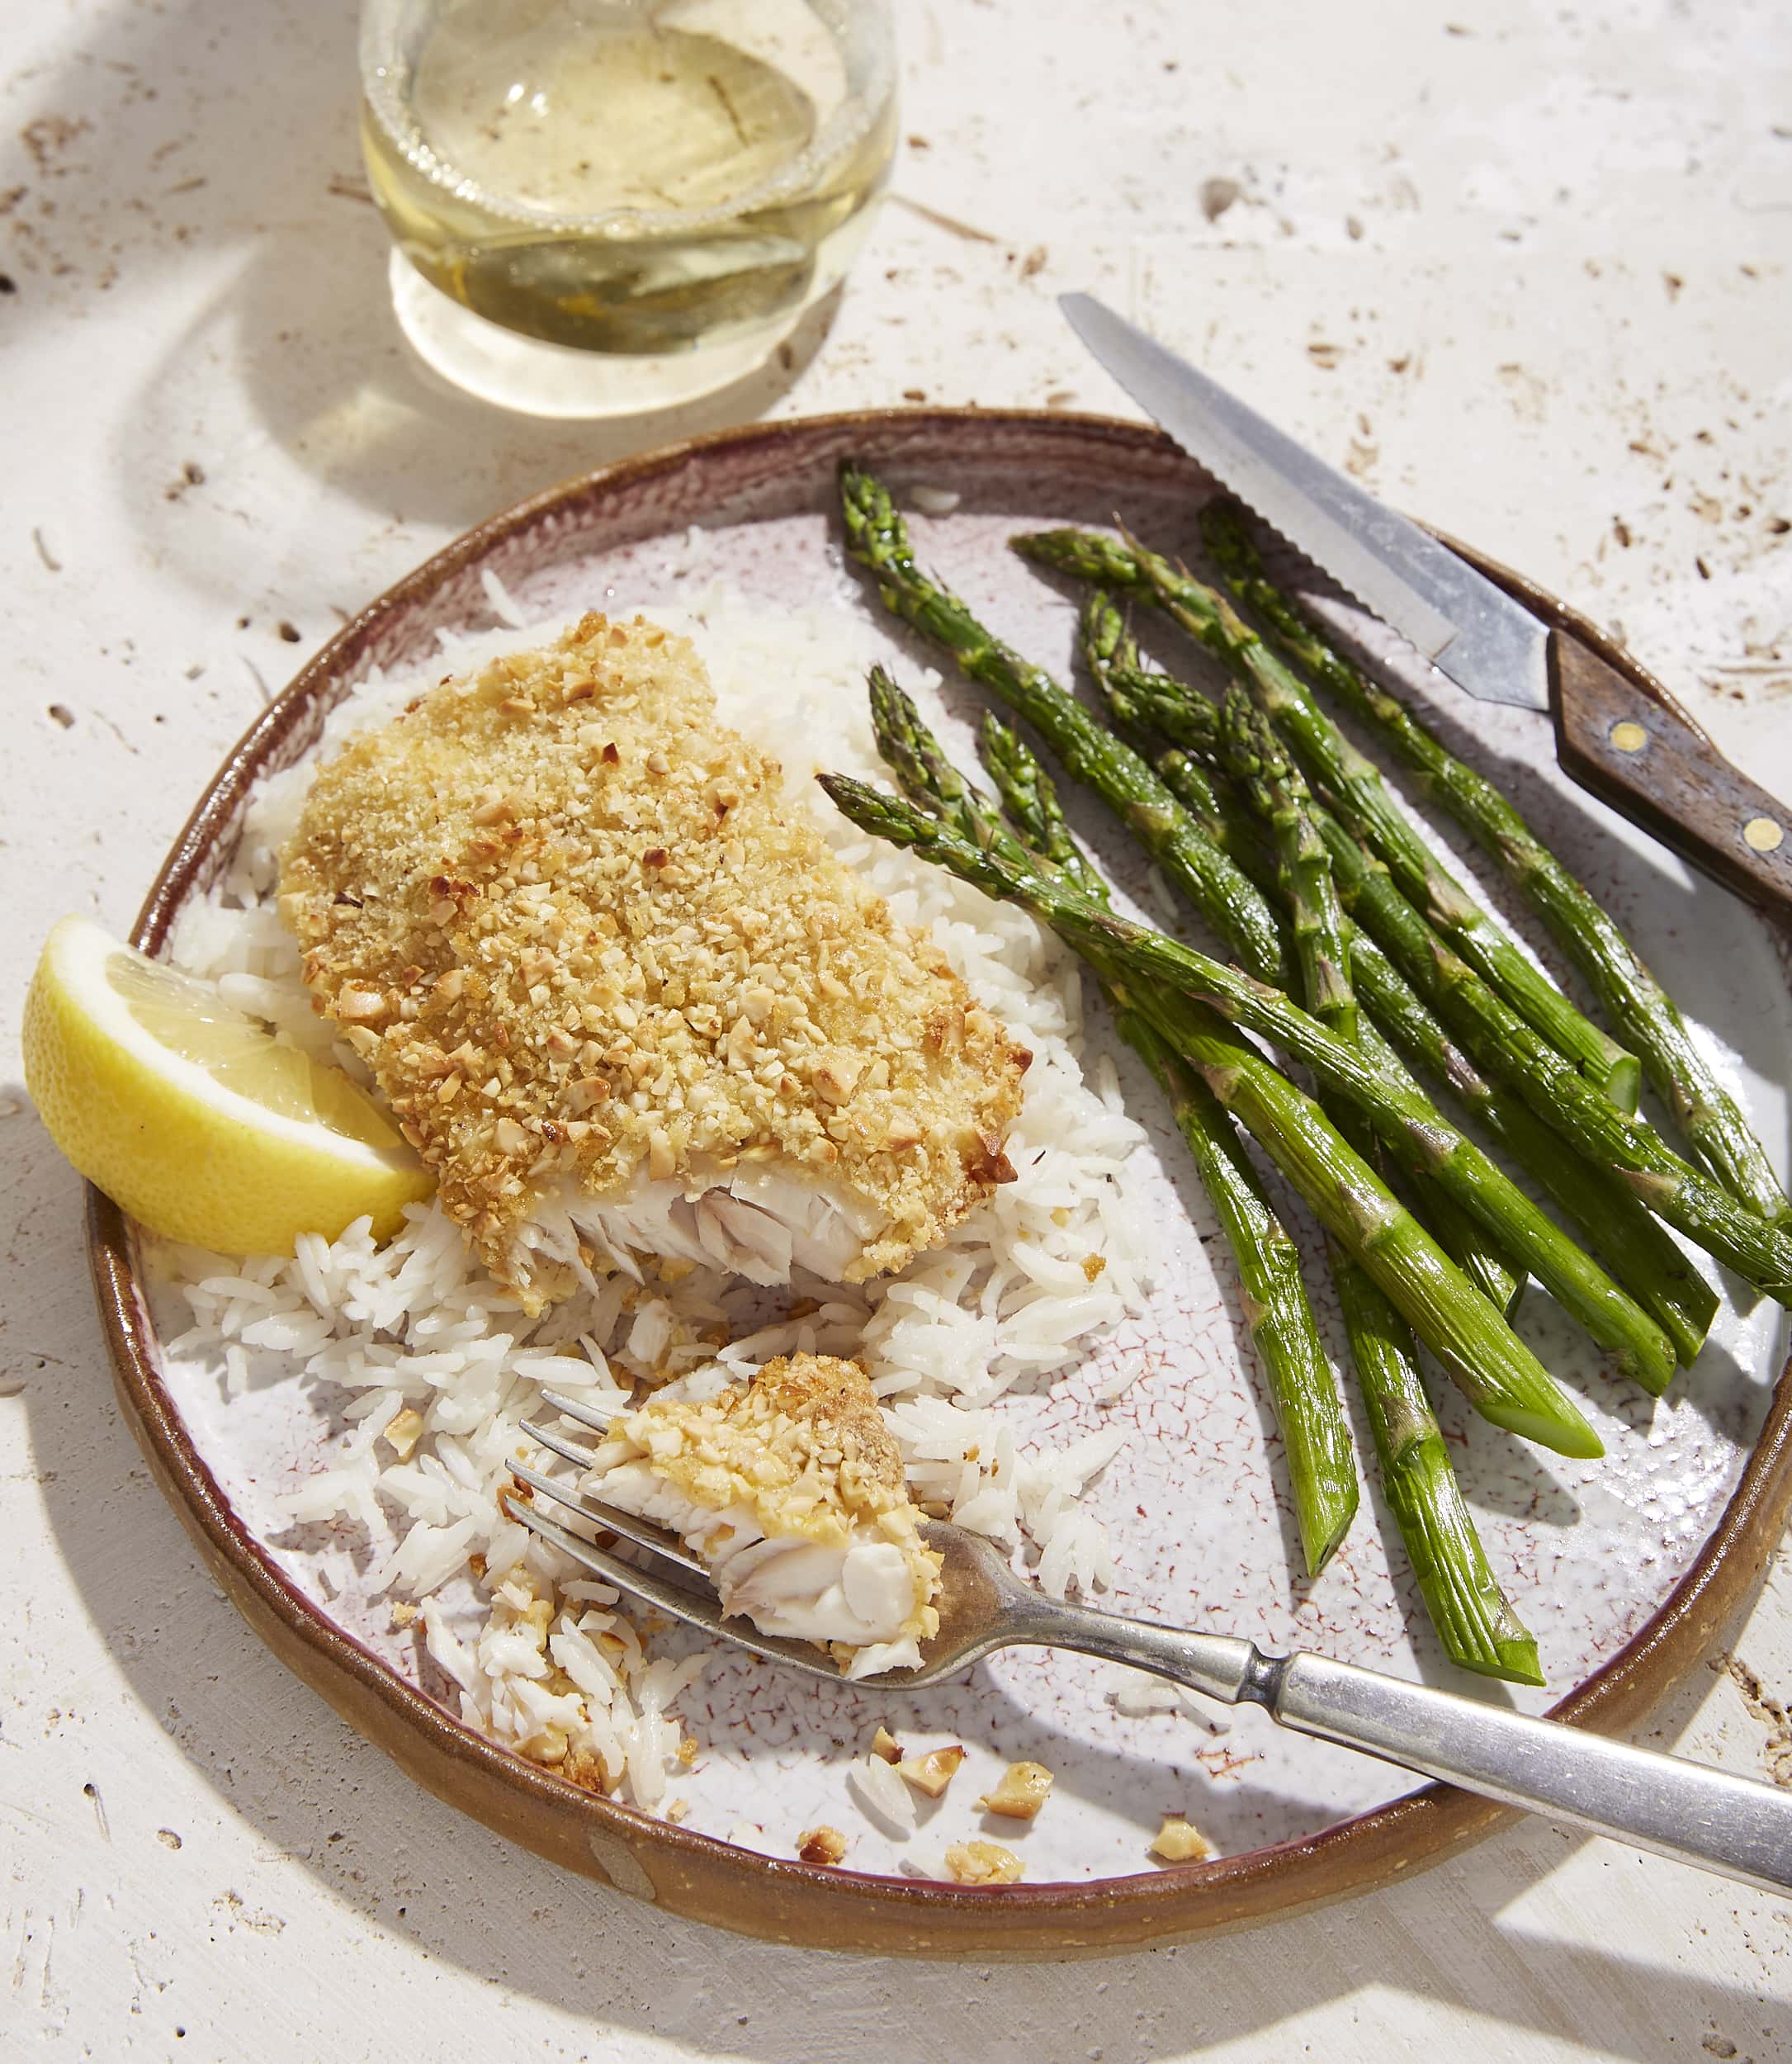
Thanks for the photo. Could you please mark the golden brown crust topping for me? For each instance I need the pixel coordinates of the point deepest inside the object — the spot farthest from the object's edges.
(574, 925)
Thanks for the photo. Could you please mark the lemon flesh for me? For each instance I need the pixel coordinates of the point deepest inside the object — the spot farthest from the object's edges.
(190, 1116)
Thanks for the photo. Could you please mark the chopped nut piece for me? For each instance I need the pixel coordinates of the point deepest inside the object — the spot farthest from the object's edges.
(883, 1744)
(836, 1077)
(353, 1003)
(402, 1432)
(1021, 1792)
(983, 1863)
(511, 1138)
(901, 1130)
(821, 1845)
(933, 1772)
(403, 1613)
(1179, 1842)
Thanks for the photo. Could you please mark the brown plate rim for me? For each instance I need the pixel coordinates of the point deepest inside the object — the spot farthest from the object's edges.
(696, 1875)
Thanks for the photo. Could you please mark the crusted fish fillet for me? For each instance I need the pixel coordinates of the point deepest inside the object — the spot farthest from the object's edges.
(619, 995)
(792, 1491)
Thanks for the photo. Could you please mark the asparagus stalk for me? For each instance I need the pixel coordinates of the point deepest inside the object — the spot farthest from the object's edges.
(1499, 1041)
(1636, 1249)
(1634, 1245)
(1261, 771)
(1651, 1268)
(1278, 794)
(1474, 1619)
(1637, 1003)
(1321, 1473)
(1356, 786)
(877, 537)
(1499, 1376)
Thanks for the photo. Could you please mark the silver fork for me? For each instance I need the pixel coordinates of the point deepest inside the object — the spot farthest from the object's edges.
(1737, 1826)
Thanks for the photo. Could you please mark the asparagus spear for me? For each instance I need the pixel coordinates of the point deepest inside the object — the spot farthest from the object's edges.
(1652, 1269)
(1356, 786)
(1321, 1474)
(1499, 1041)
(1278, 794)
(1642, 1010)
(1261, 771)
(1636, 1249)
(1497, 1372)
(1131, 692)
(1474, 1619)
(877, 537)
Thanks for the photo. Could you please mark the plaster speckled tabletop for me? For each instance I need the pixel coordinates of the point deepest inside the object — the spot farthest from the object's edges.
(1525, 270)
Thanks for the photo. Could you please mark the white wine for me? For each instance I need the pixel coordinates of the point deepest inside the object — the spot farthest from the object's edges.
(634, 179)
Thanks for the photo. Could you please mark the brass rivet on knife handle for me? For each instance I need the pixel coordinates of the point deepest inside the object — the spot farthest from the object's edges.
(1654, 765)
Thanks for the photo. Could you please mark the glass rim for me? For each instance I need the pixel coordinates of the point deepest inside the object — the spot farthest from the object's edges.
(858, 113)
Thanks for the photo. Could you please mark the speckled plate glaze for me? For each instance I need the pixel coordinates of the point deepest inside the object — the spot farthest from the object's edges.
(1624, 1569)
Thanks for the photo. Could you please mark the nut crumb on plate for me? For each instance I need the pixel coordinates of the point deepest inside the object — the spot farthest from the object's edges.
(885, 1745)
(821, 1845)
(1178, 1842)
(1021, 1793)
(933, 1772)
(983, 1863)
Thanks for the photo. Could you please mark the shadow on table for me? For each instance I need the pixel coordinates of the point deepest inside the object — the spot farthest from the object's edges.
(274, 1755)
(111, 188)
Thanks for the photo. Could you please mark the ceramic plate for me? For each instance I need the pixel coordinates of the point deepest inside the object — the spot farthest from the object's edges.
(1624, 1568)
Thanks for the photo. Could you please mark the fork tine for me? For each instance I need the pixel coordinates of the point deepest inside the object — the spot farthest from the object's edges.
(642, 1532)
(558, 1444)
(597, 1416)
(700, 1610)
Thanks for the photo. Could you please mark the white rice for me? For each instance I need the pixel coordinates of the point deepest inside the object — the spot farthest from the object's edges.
(429, 1367)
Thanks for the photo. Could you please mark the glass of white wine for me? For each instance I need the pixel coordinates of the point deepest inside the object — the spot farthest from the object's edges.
(603, 206)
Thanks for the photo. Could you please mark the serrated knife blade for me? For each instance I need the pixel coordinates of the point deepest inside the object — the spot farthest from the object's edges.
(1469, 629)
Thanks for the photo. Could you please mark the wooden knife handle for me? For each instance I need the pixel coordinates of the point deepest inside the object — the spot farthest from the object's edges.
(1656, 767)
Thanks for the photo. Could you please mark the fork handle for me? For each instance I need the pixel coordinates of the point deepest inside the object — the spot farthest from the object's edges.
(1736, 1826)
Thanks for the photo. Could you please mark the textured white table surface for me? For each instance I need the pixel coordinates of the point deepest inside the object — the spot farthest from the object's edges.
(1524, 269)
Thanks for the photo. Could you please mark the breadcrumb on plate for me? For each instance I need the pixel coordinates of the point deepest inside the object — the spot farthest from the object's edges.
(619, 995)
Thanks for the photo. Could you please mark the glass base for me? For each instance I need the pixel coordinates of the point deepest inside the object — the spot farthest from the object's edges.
(540, 379)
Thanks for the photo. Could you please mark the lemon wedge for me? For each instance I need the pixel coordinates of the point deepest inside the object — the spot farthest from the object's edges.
(190, 1116)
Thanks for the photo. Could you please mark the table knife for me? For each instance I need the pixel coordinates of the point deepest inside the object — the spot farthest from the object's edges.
(1635, 749)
